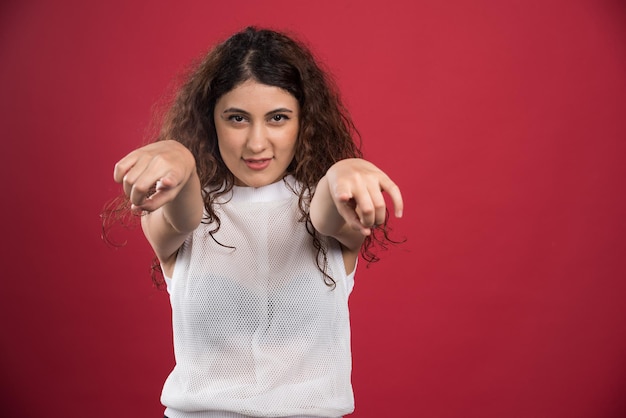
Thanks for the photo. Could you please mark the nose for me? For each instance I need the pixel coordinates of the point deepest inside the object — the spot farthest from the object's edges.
(257, 138)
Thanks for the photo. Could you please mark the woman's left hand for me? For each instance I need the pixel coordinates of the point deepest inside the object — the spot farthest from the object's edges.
(356, 187)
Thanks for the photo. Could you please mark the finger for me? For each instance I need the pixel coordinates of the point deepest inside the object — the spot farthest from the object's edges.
(168, 181)
(352, 217)
(394, 193)
(155, 200)
(159, 194)
(128, 169)
(365, 205)
(346, 206)
(157, 185)
(378, 201)
(120, 170)
(140, 182)
(137, 195)
(341, 193)
(135, 184)
(123, 166)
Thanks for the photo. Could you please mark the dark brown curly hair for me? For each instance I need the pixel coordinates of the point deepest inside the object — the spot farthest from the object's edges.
(326, 131)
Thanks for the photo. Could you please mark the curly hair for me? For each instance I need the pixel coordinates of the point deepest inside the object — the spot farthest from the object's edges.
(326, 131)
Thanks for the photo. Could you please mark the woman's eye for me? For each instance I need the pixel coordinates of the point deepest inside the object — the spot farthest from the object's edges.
(279, 118)
(236, 118)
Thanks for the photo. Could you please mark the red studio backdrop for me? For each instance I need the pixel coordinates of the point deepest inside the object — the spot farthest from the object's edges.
(504, 123)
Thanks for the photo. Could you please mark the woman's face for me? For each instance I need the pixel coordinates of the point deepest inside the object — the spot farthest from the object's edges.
(257, 128)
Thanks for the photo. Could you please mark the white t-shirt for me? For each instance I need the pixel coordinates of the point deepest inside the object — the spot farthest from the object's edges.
(257, 332)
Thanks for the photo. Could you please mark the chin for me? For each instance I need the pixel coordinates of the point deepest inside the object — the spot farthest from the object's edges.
(257, 181)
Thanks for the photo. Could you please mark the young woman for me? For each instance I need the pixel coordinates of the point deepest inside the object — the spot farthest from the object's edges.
(257, 204)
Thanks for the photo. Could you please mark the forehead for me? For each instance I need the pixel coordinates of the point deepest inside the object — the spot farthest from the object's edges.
(251, 95)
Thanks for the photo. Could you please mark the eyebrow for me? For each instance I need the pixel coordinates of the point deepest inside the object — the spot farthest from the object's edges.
(237, 110)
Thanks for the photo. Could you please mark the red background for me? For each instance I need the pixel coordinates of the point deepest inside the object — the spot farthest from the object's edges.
(502, 121)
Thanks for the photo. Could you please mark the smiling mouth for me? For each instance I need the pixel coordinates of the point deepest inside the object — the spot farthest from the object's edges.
(258, 164)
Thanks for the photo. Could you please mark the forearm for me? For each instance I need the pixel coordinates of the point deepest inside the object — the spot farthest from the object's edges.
(167, 227)
(324, 215)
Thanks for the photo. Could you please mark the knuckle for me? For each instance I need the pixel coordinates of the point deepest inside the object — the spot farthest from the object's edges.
(119, 170)
(393, 187)
(159, 158)
(129, 181)
(380, 205)
(141, 188)
(368, 210)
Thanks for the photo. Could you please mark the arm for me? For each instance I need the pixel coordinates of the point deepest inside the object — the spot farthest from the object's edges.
(348, 202)
(176, 207)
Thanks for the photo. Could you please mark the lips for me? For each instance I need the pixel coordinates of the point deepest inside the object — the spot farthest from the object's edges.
(257, 163)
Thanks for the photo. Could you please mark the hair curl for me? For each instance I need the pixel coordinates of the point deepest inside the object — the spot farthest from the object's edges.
(326, 131)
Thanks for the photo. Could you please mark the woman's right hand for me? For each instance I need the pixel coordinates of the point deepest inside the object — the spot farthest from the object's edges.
(153, 175)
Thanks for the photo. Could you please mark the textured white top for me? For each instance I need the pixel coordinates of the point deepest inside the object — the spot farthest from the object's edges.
(256, 330)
